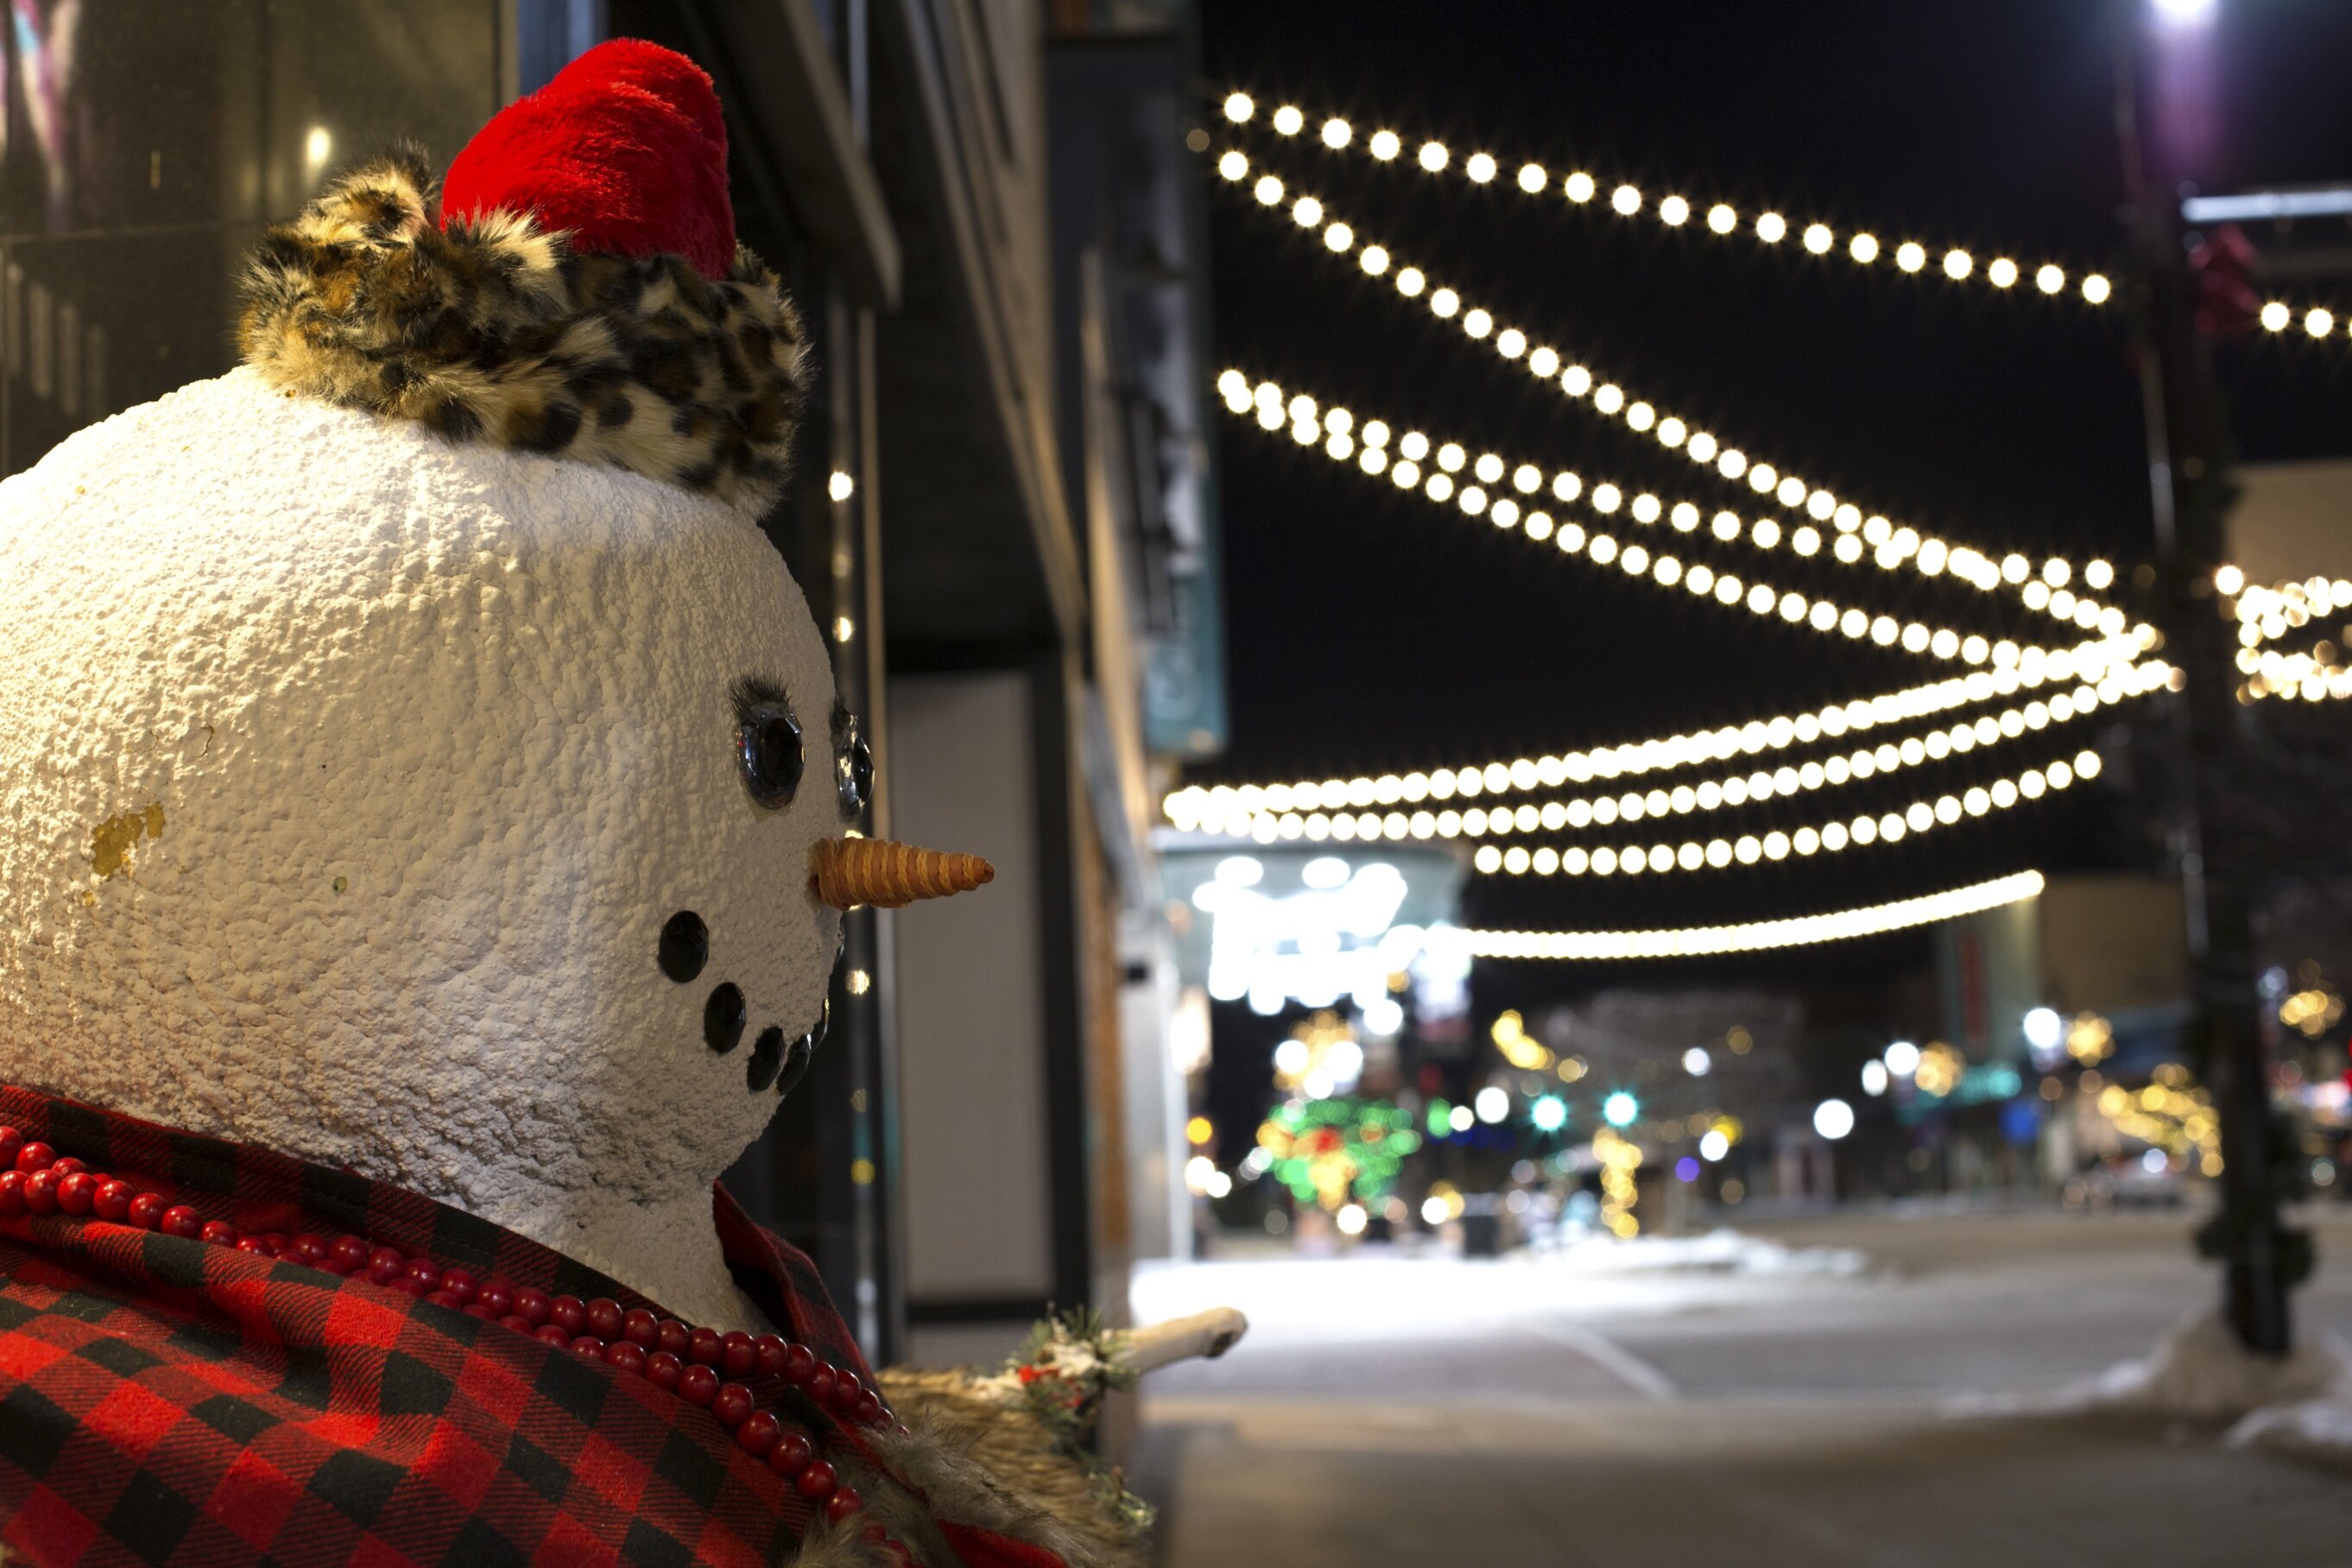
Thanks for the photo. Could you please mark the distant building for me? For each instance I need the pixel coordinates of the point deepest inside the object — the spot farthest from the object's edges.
(2292, 521)
(2114, 945)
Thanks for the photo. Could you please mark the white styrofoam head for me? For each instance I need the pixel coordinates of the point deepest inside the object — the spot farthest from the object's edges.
(351, 775)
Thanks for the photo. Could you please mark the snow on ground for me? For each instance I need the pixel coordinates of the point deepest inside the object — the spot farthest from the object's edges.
(2316, 1426)
(1718, 1252)
(2200, 1372)
(1376, 1291)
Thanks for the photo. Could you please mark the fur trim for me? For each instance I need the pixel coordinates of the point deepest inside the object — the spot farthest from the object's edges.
(980, 1462)
(830, 1545)
(498, 331)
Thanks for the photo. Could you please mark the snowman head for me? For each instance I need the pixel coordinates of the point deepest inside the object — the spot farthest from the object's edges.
(422, 762)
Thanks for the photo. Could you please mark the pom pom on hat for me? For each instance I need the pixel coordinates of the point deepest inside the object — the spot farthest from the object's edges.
(626, 150)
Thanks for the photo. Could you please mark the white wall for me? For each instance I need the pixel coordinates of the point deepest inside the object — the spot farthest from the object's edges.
(973, 1168)
(2293, 520)
(1160, 1211)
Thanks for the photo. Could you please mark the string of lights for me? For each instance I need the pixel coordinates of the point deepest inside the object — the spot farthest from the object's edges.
(1339, 434)
(2100, 663)
(2308, 676)
(2269, 615)
(1670, 430)
(1636, 559)
(1770, 227)
(1228, 814)
(2265, 614)
(2317, 321)
(1831, 837)
(1754, 936)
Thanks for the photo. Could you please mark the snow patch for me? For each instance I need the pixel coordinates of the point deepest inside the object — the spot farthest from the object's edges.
(1375, 1292)
(2322, 1426)
(2200, 1372)
(1718, 1252)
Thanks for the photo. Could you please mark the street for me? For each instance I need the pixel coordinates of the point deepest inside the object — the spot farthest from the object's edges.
(1429, 1410)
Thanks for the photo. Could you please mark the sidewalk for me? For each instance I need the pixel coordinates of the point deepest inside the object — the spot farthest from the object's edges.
(1655, 1485)
(1442, 1412)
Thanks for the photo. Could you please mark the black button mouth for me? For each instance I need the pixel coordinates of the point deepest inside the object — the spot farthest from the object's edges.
(723, 1017)
(685, 946)
(803, 1052)
(797, 1064)
(767, 1056)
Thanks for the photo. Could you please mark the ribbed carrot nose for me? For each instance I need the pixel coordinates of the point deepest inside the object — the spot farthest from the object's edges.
(847, 872)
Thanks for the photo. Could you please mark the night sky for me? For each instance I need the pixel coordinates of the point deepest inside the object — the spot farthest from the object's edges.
(1370, 631)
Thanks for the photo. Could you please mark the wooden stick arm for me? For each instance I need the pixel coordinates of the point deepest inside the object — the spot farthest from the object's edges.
(1211, 1334)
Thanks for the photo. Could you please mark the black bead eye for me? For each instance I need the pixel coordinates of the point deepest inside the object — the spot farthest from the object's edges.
(767, 744)
(853, 765)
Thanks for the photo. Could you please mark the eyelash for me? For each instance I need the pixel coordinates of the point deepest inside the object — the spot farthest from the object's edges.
(752, 692)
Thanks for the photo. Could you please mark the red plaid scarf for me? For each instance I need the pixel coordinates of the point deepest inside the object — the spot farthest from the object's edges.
(164, 1401)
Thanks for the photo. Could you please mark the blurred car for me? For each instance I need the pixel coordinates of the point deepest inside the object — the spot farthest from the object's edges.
(2143, 1181)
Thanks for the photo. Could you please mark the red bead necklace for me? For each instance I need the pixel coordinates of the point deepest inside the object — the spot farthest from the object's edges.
(699, 1365)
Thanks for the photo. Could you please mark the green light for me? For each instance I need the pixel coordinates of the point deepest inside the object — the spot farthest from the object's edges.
(1620, 1109)
(1441, 1119)
(1361, 1142)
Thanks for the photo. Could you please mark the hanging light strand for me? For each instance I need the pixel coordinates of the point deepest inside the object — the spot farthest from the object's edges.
(1438, 486)
(1308, 423)
(2270, 614)
(1320, 812)
(1754, 936)
(2265, 614)
(2303, 675)
(2038, 587)
(1514, 493)
(2317, 322)
(1769, 228)
(1833, 836)
(2102, 663)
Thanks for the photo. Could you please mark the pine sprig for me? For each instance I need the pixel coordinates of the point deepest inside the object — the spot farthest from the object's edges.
(1064, 1368)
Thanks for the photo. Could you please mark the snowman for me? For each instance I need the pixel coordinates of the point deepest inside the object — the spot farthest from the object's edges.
(428, 829)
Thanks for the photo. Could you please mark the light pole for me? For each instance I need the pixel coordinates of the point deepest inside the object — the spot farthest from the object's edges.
(2191, 497)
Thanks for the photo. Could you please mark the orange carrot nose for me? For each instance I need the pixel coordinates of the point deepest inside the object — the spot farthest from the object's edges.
(847, 872)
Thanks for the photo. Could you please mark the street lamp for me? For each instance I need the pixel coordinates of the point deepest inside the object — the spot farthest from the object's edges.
(2189, 495)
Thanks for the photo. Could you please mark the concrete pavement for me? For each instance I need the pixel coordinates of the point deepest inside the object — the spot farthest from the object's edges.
(1421, 1413)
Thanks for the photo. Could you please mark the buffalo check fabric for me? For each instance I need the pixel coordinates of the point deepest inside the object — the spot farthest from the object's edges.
(165, 1401)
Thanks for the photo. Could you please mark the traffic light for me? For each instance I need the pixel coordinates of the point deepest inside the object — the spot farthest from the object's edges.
(2223, 265)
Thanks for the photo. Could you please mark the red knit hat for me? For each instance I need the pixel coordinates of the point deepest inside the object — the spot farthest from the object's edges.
(625, 150)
